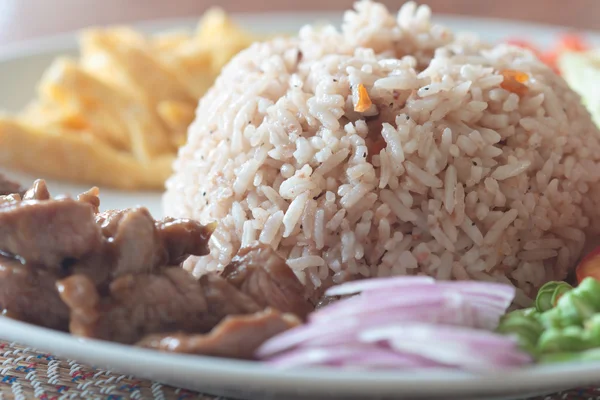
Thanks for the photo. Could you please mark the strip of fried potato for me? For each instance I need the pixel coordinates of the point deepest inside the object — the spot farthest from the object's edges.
(219, 33)
(167, 41)
(141, 71)
(177, 116)
(78, 158)
(192, 65)
(110, 114)
(48, 113)
(198, 61)
(78, 93)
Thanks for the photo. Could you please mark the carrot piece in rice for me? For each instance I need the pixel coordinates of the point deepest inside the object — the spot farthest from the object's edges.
(364, 101)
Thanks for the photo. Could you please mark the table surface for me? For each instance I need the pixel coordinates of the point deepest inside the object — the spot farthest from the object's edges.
(26, 19)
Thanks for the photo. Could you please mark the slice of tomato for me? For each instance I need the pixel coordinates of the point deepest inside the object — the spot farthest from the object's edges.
(524, 44)
(589, 266)
(572, 42)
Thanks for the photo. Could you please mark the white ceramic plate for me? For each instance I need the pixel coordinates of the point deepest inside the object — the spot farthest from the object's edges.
(20, 68)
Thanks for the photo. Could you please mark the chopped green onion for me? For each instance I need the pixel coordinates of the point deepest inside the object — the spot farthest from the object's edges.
(549, 294)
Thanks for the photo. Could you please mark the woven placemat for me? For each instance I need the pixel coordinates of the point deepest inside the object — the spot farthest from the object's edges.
(29, 374)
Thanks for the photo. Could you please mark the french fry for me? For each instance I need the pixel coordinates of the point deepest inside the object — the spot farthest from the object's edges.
(111, 115)
(177, 116)
(198, 61)
(193, 65)
(150, 81)
(117, 115)
(77, 158)
(44, 113)
(218, 33)
(168, 41)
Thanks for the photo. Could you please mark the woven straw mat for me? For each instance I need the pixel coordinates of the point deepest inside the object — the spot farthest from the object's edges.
(28, 374)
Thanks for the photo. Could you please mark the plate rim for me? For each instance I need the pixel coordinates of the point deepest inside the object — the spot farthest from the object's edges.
(253, 375)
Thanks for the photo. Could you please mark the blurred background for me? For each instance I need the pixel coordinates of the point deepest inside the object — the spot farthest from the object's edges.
(26, 19)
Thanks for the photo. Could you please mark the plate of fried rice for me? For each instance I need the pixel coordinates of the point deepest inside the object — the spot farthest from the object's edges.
(414, 193)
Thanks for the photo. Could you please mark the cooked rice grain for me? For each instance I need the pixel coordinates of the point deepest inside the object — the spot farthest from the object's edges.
(447, 174)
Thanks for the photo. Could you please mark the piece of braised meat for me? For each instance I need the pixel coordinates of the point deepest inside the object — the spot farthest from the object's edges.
(183, 237)
(263, 275)
(38, 191)
(29, 294)
(237, 336)
(109, 221)
(114, 276)
(91, 197)
(48, 232)
(172, 300)
(134, 243)
(141, 244)
(9, 187)
(137, 305)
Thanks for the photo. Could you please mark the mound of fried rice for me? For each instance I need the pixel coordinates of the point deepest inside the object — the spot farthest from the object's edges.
(392, 147)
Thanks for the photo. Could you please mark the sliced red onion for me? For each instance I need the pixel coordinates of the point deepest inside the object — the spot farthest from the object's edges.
(412, 352)
(413, 346)
(378, 285)
(358, 303)
(501, 300)
(490, 299)
(342, 331)
(405, 323)
(361, 357)
(480, 314)
(430, 290)
(449, 312)
(461, 355)
(327, 334)
(343, 326)
(348, 330)
(431, 332)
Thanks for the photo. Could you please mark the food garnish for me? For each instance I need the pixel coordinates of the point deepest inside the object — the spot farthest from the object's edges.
(589, 266)
(565, 320)
(403, 322)
(568, 43)
(581, 70)
(514, 81)
(363, 102)
(549, 294)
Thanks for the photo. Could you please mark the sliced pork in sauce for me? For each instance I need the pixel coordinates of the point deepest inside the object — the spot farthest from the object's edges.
(182, 237)
(170, 300)
(136, 244)
(115, 276)
(48, 232)
(136, 305)
(139, 241)
(237, 336)
(28, 294)
(38, 191)
(265, 276)
(109, 221)
(91, 197)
